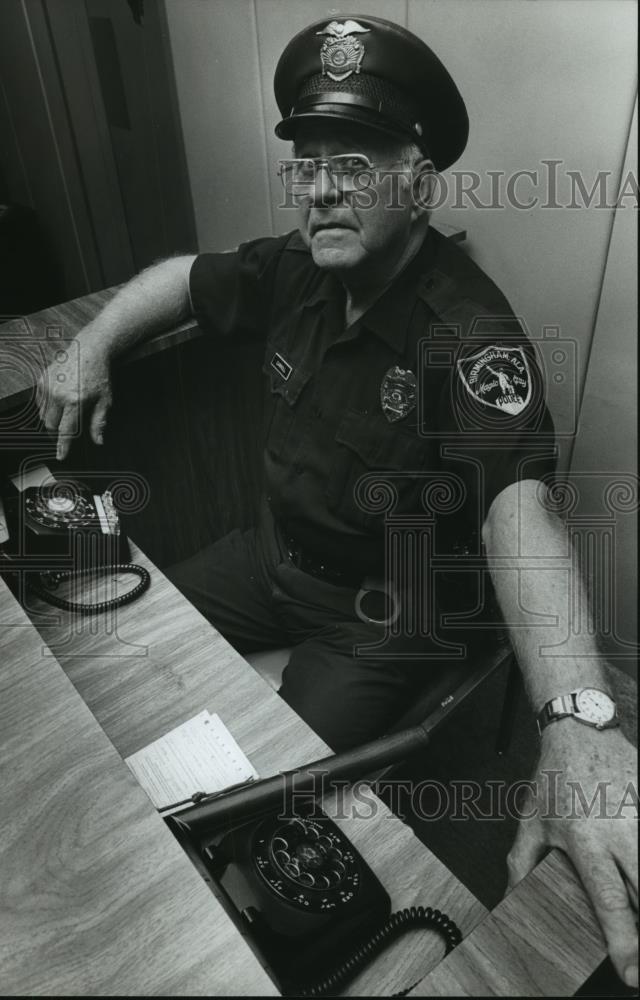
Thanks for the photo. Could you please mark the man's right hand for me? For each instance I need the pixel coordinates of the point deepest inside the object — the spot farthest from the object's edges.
(75, 389)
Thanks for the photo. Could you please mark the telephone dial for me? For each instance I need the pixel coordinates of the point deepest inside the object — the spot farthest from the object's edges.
(314, 910)
(63, 531)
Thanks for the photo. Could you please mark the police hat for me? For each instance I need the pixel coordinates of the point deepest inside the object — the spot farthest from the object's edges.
(368, 70)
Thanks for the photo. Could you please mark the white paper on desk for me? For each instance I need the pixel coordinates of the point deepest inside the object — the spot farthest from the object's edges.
(201, 755)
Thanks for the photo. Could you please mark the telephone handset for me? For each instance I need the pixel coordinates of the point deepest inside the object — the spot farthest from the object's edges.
(314, 910)
(69, 532)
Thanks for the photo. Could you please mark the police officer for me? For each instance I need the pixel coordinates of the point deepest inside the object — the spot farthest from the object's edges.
(355, 409)
(401, 390)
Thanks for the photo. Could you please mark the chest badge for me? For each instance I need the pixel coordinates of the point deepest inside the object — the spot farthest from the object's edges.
(281, 365)
(498, 377)
(398, 393)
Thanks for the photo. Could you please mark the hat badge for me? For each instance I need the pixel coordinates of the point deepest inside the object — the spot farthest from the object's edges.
(342, 52)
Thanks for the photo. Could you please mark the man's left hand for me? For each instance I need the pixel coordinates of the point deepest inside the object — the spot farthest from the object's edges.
(586, 803)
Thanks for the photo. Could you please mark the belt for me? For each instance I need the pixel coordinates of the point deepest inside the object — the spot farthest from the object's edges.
(374, 602)
(303, 560)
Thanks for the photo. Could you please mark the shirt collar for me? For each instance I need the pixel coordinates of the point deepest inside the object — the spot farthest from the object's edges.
(389, 316)
(325, 288)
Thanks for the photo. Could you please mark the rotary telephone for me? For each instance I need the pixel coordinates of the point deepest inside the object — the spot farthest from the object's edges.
(312, 907)
(62, 531)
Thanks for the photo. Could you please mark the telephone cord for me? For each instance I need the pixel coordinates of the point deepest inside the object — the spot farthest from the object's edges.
(99, 606)
(393, 927)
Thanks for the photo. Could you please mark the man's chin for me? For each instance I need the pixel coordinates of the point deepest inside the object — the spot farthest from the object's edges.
(331, 257)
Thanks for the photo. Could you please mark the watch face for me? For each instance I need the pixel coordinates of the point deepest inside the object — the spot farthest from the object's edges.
(596, 706)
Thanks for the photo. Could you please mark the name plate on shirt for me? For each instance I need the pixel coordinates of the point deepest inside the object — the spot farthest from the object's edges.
(281, 366)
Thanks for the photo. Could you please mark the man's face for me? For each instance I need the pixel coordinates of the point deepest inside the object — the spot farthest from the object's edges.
(355, 233)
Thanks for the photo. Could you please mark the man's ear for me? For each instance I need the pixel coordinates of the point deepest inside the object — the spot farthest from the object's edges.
(424, 186)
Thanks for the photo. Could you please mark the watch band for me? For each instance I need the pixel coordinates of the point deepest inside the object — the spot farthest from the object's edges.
(556, 708)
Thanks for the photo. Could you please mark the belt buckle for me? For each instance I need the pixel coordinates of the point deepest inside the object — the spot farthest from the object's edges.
(388, 588)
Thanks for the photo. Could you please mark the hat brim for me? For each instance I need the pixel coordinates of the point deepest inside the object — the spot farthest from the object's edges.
(287, 128)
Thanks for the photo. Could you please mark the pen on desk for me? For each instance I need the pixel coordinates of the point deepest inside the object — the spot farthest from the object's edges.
(198, 797)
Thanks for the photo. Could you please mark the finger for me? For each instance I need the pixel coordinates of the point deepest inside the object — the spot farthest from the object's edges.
(627, 860)
(42, 388)
(44, 397)
(67, 429)
(610, 899)
(51, 414)
(99, 419)
(528, 849)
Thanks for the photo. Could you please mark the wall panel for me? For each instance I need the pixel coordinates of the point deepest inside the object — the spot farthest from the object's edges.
(606, 448)
(47, 172)
(70, 35)
(215, 55)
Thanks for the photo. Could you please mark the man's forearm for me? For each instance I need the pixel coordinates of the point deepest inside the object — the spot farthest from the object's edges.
(76, 392)
(542, 596)
(545, 604)
(152, 301)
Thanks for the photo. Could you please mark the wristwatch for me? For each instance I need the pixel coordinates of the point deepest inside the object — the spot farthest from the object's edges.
(588, 705)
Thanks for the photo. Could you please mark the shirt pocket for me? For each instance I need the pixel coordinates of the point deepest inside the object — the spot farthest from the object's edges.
(283, 394)
(377, 468)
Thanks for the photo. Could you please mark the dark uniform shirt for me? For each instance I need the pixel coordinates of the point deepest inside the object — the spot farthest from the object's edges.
(336, 464)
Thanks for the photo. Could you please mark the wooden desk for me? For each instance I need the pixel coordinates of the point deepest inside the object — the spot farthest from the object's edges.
(180, 665)
(96, 896)
(542, 940)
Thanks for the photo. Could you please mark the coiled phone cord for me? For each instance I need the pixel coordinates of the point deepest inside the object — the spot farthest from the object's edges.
(99, 606)
(394, 926)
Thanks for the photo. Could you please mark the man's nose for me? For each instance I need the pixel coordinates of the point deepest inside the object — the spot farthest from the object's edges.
(325, 190)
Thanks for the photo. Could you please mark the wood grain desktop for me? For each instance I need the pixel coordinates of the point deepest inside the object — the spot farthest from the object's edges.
(97, 897)
(537, 942)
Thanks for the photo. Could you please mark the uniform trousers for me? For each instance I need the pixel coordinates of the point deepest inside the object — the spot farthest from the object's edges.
(247, 586)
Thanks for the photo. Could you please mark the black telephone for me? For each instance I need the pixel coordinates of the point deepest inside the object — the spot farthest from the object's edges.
(312, 907)
(61, 531)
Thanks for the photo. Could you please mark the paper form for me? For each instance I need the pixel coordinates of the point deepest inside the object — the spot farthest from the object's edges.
(200, 755)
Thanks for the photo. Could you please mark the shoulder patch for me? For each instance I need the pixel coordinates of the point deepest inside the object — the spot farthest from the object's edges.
(498, 377)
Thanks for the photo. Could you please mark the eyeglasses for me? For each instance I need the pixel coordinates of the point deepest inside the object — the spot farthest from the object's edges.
(348, 171)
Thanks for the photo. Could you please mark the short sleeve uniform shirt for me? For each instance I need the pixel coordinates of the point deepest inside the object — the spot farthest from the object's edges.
(429, 405)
